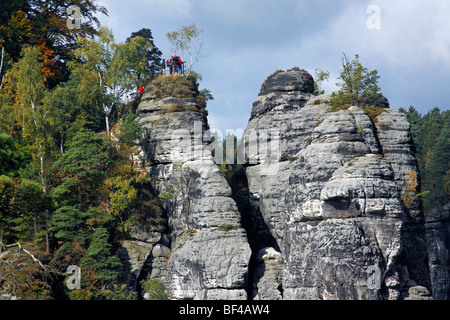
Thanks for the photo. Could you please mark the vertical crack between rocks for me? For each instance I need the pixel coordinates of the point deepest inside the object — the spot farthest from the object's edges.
(258, 233)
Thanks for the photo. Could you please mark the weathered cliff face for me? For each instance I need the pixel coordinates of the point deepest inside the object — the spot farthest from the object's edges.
(206, 248)
(328, 216)
(331, 194)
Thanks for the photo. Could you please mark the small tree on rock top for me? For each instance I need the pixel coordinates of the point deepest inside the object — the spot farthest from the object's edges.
(359, 86)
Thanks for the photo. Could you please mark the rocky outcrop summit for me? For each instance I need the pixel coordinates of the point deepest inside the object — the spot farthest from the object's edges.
(326, 212)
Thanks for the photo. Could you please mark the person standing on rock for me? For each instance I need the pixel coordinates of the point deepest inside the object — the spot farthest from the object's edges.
(163, 67)
(175, 63)
(170, 64)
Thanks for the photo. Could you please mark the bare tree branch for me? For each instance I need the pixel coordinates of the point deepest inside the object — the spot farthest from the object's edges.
(21, 248)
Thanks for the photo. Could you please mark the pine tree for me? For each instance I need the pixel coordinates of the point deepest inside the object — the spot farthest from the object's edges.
(11, 159)
(438, 170)
(432, 142)
(68, 225)
(152, 54)
(359, 86)
(99, 264)
(81, 170)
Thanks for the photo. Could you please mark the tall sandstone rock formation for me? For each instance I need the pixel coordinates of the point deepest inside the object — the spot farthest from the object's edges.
(209, 251)
(331, 195)
(438, 240)
(326, 218)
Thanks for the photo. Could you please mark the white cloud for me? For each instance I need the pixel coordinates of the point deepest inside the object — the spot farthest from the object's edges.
(437, 34)
(412, 32)
(173, 9)
(161, 16)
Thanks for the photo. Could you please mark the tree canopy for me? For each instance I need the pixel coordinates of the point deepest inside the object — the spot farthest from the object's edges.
(152, 62)
(68, 184)
(358, 85)
(431, 134)
(188, 39)
(44, 24)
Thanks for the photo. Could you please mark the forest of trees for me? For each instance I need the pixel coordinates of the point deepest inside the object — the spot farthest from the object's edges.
(68, 186)
(431, 134)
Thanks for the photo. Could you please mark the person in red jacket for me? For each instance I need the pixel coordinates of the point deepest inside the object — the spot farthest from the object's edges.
(177, 63)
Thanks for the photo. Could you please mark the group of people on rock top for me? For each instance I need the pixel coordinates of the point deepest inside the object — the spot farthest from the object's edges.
(174, 64)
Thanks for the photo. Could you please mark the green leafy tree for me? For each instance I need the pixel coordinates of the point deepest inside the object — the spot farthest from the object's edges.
(432, 124)
(438, 170)
(430, 134)
(124, 182)
(31, 113)
(119, 292)
(98, 68)
(24, 211)
(130, 130)
(68, 114)
(188, 39)
(203, 97)
(415, 119)
(11, 159)
(155, 289)
(359, 86)
(152, 55)
(31, 212)
(44, 24)
(7, 192)
(135, 58)
(113, 69)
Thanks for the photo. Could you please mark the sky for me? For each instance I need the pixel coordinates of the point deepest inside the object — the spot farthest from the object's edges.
(407, 41)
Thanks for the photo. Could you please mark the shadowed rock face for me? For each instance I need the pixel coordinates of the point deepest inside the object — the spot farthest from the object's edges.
(333, 201)
(438, 241)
